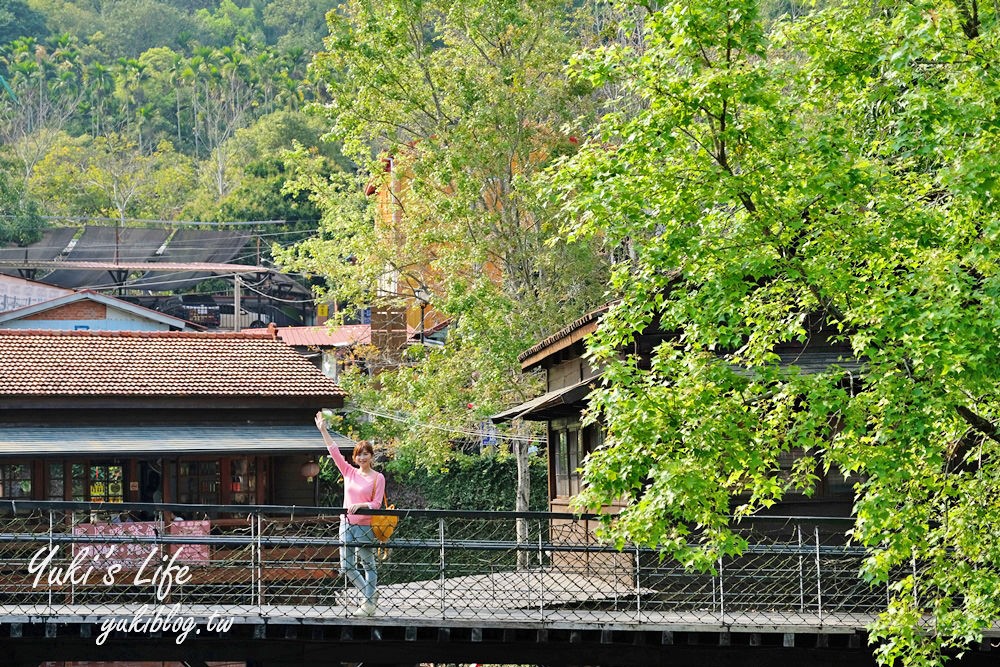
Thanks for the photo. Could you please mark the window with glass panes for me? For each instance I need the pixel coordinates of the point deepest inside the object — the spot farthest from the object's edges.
(198, 482)
(243, 480)
(560, 462)
(97, 481)
(57, 480)
(570, 445)
(15, 480)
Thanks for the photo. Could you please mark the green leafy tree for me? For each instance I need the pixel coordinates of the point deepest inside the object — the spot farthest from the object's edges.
(297, 23)
(230, 22)
(841, 163)
(109, 176)
(465, 99)
(20, 217)
(45, 78)
(266, 153)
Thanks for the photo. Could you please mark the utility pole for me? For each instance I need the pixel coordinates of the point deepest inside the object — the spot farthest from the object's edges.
(236, 302)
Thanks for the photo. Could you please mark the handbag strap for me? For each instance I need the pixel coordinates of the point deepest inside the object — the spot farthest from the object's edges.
(385, 496)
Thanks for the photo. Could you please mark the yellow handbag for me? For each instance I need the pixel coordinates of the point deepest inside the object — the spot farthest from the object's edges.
(384, 524)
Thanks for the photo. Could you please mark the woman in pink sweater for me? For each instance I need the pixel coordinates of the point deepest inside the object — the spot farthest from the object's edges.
(364, 488)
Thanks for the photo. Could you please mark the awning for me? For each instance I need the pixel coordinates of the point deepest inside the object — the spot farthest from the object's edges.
(559, 403)
(165, 440)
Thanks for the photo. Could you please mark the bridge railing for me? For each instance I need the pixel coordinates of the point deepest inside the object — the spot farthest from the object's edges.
(62, 559)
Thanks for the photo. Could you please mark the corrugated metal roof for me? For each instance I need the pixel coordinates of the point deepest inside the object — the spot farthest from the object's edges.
(162, 440)
(538, 408)
(345, 335)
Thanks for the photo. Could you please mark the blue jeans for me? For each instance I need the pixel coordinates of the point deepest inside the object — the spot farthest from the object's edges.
(355, 539)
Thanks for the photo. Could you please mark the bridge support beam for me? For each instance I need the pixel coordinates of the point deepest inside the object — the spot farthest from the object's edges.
(408, 645)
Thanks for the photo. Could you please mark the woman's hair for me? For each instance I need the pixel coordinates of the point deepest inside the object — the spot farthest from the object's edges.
(362, 446)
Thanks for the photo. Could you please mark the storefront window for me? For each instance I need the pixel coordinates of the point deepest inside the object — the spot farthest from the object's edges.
(96, 482)
(106, 483)
(243, 480)
(198, 482)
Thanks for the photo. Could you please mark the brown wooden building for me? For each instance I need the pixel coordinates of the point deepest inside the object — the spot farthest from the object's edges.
(570, 378)
(177, 417)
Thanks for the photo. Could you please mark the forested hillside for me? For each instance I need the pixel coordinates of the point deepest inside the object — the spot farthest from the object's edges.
(160, 110)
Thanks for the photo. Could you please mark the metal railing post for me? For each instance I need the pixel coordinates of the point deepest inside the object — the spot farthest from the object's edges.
(802, 573)
(722, 597)
(441, 565)
(258, 561)
(638, 587)
(72, 586)
(541, 579)
(51, 531)
(819, 577)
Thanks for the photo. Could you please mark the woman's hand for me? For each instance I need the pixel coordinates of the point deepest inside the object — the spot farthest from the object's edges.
(320, 421)
(353, 509)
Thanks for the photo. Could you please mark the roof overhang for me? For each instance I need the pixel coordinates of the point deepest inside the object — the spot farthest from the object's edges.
(162, 440)
(558, 403)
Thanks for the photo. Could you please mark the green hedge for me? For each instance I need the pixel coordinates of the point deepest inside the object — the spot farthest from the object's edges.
(486, 482)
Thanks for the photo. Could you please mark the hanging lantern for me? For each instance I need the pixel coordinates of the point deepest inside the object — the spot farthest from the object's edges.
(309, 470)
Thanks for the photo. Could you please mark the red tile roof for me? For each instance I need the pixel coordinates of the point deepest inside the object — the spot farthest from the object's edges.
(162, 363)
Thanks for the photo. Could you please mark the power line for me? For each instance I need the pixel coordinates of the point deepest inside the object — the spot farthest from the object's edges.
(274, 298)
(449, 429)
(235, 223)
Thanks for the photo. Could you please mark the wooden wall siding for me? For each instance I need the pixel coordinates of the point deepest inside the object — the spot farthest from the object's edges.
(565, 374)
(569, 372)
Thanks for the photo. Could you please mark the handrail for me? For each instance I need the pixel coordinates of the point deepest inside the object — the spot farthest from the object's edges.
(446, 564)
(310, 510)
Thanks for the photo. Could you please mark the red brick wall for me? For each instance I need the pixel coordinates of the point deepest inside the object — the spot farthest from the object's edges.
(80, 310)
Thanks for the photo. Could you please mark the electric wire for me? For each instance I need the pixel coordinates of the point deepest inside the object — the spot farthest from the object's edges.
(538, 440)
(274, 298)
(212, 223)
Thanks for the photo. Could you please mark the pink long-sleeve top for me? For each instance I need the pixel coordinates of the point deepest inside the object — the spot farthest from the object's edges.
(358, 489)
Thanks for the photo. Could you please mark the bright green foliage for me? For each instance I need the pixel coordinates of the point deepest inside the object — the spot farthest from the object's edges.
(20, 220)
(843, 163)
(150, 71)
(480, 483)
(229, 22)
(467, 98)
(112, 179)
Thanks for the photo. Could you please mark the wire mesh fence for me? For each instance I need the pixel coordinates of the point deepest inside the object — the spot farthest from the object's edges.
(75, 559)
